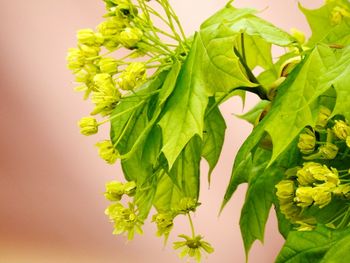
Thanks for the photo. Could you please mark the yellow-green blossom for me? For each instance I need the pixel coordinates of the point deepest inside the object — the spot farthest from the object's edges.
(305, 175)
(125, 219)
(328, 151)
(165, 223)
(322, 195)
(107, 152)
(90, 51)
(341, 129)
(75, 59)
(108, 65)
(304, 226)
(186, 205)
(304, 196)
(323, 117)
(114, 191)
(89, 37)
(337, 15)
(193, 247)
(130, 36)
(285, 194)
(106, 95)
(342, 190)
(307, 142)
(88, 126)
(132, 76)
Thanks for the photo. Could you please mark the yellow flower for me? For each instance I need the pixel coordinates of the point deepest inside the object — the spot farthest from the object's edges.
(108, 65)
(134, 75)
(186, 205)
(130, 36)
(305, 175)
(164, 223)
(322, 195)
(323, 117)
(114, 191)
(107, 152)
(89, 38)
(88, 126)
(307, 142)
(75, 59)
(193, 247)
(90, 51)
(304, 196)
(341, 129)
(106, 95)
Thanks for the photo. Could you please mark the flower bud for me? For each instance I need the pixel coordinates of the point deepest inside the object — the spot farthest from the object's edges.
(130, 188)
(342, 190)
(88, 126)
(114, 191)
(129, 37)
(106, 96)
(307, 142)
(133, 75)
(341, 129)
(75, 59)
(186, 205)
(322, 195)
(108, 65)
(323, 117)
(107, 152)
(298, 35)
(303, 226)
(305, 175)
(164, 223)
(328, 151)
(110, 27)
(285, 191)
(303, 196)
(90, 51)
(87, 37)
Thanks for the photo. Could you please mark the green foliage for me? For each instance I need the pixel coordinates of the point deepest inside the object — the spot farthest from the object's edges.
(164, 121)
(321, 245)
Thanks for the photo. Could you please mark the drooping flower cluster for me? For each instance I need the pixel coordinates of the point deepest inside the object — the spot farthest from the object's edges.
(323, 178)
(125, 219)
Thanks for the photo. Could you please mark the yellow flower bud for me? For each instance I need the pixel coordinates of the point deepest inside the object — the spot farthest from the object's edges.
(114, 191)
(322, 195)
(75, 59)
(303, 226)
(88, 126)
(341, 129)
(298, 35)
(90, 51)
(129, 37)
(337, 15)
(110, 27)
(285, 191)
(323, 117)
(134, 74)
(106, 96)
(304, 196)
(305, 175)
(88, 37)
(107, 152)
(130, 188)
(307, 142)
(342, 190)
(108, 65)
(328, 151)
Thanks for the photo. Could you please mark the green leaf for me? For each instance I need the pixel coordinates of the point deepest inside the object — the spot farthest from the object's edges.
(310, 246)
(213, 138)
(252, 115)
(339, 252)
(258, 199)
(185, 171)
(339, 77)
(228, 14)
(322, 27)
(184, 112)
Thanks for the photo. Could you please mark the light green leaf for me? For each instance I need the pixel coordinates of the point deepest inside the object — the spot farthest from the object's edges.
(339, 252)
(214, 135)
(228, 14)
(184, 113)
(310, 246)
(322, 27)
(252, 115)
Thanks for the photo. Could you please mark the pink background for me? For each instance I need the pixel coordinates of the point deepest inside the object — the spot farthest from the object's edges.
(51, 179)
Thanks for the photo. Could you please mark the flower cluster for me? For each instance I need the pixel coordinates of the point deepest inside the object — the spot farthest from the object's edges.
(125, 219)
(323, 178)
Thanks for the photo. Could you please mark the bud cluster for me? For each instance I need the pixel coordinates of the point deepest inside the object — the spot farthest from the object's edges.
(125, 219)
(323, 178)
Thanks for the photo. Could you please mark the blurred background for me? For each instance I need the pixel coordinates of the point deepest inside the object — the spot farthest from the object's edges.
(51, 178)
